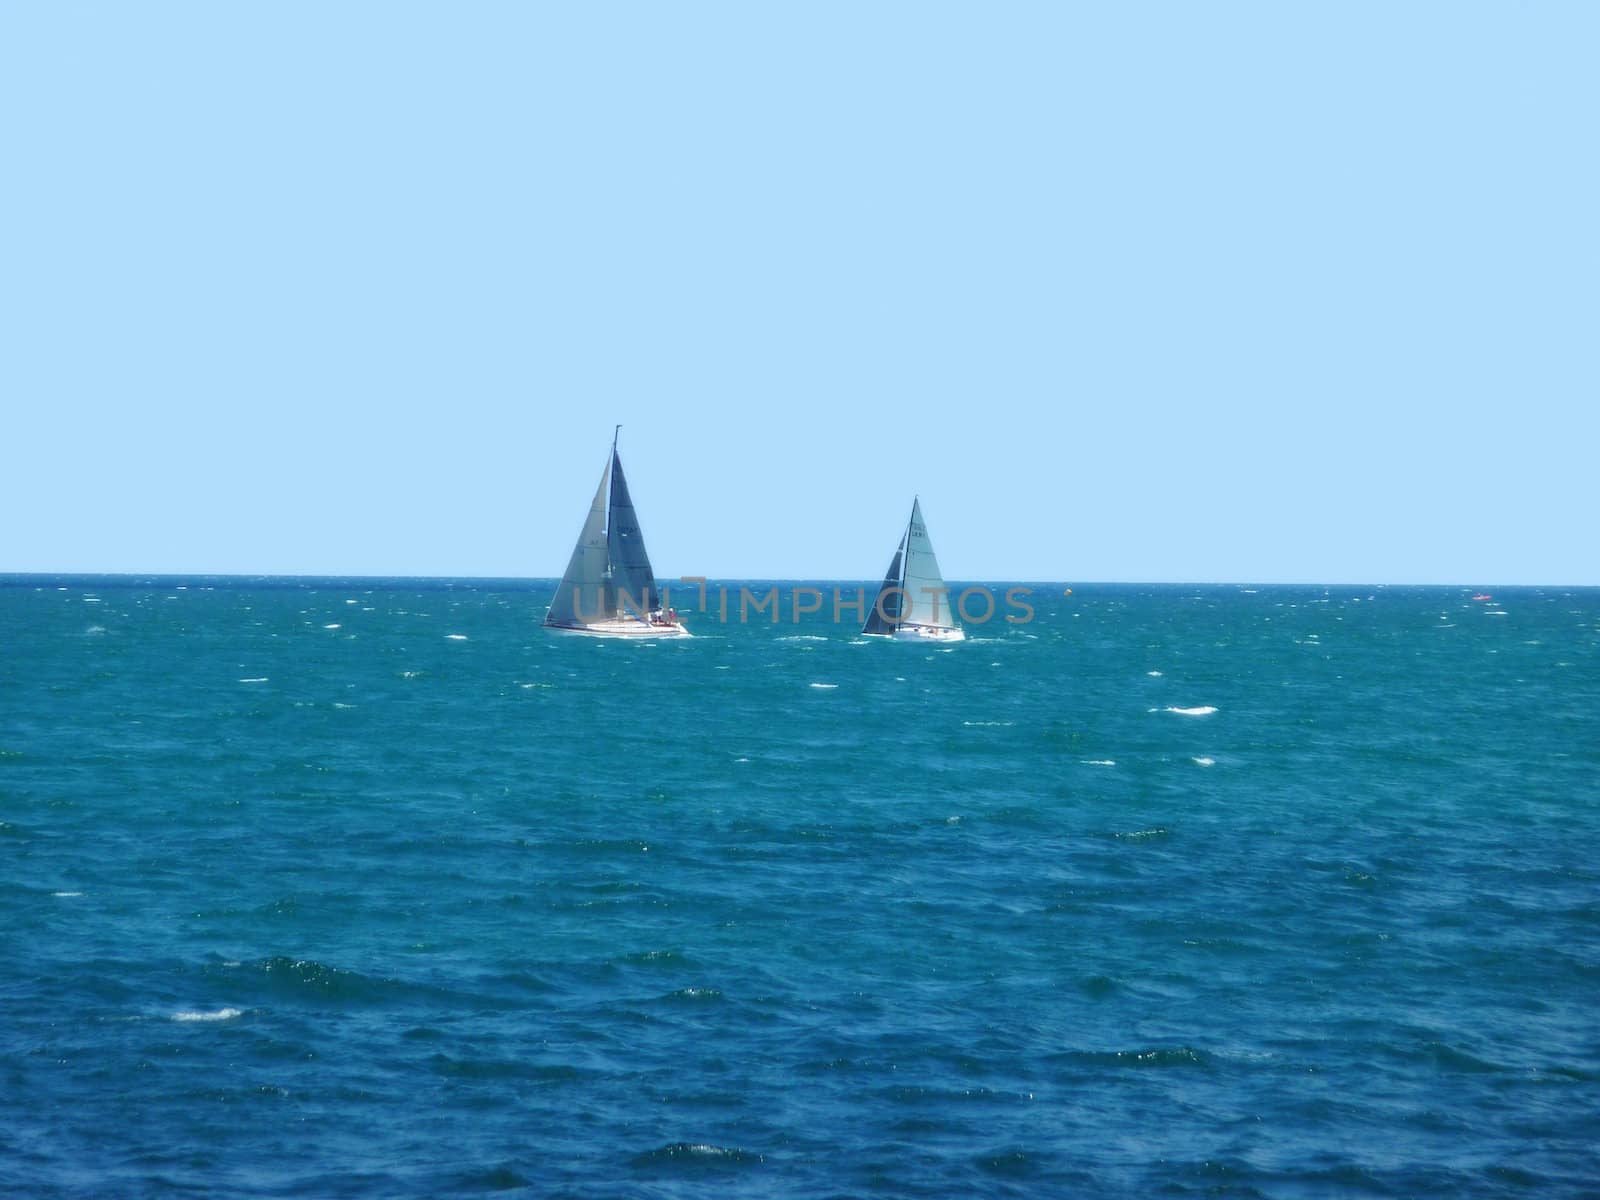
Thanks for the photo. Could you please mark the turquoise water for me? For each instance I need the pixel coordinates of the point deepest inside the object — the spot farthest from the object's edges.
(371, 889)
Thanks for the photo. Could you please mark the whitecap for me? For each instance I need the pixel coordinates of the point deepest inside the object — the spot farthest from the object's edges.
(1153, 674)
(333, 626)
(221, 1014)
(456, 637)
(801, 637)
(826, 686)
(1204, 761)
(66, 894)
(256, 679)
(1203, 710)
(1099, 762)
(989, 724)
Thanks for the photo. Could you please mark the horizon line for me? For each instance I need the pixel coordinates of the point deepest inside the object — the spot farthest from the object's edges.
(693, 580)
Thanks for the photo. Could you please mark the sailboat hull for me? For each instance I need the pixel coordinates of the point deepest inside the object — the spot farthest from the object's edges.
(921, 633)
(632, 630)
(928, 633)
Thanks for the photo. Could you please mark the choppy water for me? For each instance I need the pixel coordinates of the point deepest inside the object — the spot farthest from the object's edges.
(373, 890)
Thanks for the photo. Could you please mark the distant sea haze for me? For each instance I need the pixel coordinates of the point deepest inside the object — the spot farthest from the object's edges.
(371, 888)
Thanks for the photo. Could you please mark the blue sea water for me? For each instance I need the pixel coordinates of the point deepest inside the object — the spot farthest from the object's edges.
(360, 888)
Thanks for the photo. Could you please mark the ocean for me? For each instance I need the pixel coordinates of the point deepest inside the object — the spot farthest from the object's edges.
(370, 888)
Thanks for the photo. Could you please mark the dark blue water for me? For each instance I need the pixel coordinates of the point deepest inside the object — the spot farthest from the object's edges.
(372, 890)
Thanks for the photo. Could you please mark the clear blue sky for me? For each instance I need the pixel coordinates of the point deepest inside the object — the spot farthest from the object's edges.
(1273, 292)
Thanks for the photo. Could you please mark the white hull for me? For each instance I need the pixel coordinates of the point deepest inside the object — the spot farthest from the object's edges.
(635, 630)
(923, 633)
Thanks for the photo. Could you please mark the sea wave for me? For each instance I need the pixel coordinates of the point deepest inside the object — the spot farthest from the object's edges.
(696, 1154)
(218, 1014)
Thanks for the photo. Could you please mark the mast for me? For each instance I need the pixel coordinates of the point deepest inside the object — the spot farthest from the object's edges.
(615, 434)
(633, 579)
(905, 564)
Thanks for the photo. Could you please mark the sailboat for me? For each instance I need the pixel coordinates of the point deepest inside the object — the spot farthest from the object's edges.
(609, 589)
(913, 604)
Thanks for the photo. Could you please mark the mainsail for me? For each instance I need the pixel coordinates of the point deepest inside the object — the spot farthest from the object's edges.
(927, 599)
(633, 582)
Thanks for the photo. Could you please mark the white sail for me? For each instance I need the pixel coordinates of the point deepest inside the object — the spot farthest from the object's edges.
(581, 599)
(927, 600)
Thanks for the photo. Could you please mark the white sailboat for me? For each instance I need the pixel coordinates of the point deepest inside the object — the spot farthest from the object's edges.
(609, 589)
(913, 604)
